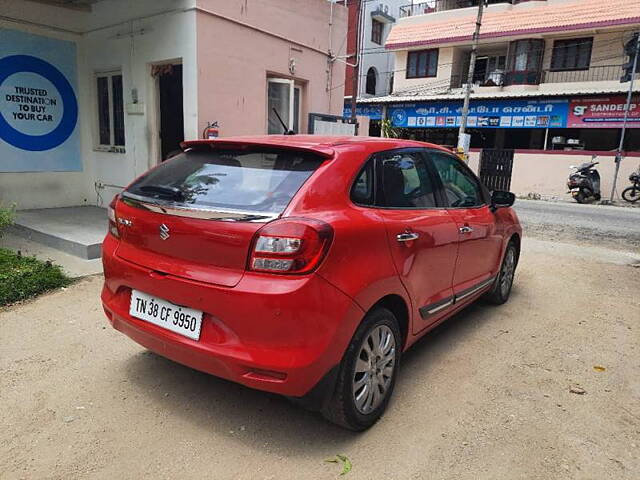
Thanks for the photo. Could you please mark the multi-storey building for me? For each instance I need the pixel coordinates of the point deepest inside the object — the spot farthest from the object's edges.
(547, 73)
(375, 63)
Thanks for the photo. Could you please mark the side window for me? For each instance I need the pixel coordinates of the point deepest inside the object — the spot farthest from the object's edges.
(461, 188)
(362, 190)
(406, 182)
(109, 91)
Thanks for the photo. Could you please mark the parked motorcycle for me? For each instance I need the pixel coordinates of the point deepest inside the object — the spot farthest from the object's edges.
(632, 194)
(584, 183)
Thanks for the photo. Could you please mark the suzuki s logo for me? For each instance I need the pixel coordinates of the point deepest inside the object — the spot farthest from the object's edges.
(164, 232)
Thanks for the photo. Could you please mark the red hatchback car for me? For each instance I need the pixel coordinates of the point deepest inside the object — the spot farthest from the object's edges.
(304, 265)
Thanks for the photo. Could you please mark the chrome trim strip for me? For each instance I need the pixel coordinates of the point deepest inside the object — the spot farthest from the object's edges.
(434, 308)
(428, 310)
(475, 289)
(440, 307)
(220, 214)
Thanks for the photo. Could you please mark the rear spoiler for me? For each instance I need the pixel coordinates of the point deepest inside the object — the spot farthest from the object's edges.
(320, 150)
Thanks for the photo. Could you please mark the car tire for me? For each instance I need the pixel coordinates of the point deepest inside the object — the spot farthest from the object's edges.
(354, 404)
(501, 289)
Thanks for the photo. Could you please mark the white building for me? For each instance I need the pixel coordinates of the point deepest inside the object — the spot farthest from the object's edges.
(95, 92)
(375, 63)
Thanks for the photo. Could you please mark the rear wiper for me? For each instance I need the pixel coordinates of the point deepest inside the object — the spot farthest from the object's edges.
(164, 191)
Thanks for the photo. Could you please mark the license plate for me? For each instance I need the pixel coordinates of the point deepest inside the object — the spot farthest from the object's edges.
(182, 320)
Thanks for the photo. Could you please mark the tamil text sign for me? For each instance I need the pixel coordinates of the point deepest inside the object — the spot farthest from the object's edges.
(548, 113)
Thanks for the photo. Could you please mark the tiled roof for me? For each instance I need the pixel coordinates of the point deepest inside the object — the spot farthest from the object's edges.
(520, 20)
(431, 94)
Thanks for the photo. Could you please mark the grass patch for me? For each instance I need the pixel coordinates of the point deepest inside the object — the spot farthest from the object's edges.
(7, 216)
(25, 277)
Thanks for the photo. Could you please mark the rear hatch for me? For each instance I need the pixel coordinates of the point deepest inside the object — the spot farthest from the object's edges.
(195, 215)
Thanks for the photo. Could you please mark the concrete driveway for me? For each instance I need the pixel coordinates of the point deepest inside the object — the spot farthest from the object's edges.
(486, 396)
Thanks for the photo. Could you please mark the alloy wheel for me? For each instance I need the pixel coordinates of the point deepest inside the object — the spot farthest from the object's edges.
(507, 272)
(374, 369)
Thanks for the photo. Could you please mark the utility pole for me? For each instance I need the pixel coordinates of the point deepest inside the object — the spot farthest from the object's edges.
(626, 117)
(472, 69)
(356, 67)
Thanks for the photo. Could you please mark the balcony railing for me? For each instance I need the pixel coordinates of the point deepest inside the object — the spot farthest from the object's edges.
(602, 73)
(443, 5)
(594, 74)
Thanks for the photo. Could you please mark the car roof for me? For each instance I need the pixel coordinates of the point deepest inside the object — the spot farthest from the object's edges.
(321, 144)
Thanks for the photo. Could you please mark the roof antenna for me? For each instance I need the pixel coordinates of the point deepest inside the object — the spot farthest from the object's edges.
(284, 125)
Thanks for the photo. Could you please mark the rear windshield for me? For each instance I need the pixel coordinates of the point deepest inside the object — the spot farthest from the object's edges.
(247, 180)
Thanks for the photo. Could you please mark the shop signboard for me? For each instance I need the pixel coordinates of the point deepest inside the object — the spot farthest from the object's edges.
(539, 113)
(603, 112)
(374, 112)
(38, 104)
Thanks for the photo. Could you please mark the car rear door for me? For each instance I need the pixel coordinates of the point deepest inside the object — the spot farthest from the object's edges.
(422, 237)
(480, 242)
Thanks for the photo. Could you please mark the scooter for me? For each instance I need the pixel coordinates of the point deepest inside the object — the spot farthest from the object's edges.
(584, 183)
(632, 194)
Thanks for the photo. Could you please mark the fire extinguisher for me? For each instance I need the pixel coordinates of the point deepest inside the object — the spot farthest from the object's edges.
(211, 132)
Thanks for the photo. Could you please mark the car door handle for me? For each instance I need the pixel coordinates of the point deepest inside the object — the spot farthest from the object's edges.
(465, 229)
(407, 236)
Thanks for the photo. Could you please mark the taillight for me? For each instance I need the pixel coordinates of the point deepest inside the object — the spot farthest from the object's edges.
(113, 219)
(290, 246)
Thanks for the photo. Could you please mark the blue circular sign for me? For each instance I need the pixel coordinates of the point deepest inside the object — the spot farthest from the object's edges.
(36, 143)
(399, 116)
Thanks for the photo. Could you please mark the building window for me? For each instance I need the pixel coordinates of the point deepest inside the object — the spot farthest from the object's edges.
(376, 31)
(372, 80)
(422, 63)
(489, 69)
(525, 62)
(574, 54)
(110, 110)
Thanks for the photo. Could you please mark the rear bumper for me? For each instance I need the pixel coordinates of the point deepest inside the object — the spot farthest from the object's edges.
(278, 334)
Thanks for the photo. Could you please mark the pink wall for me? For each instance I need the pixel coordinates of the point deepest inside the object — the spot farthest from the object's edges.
(242, 42)
(547, 173)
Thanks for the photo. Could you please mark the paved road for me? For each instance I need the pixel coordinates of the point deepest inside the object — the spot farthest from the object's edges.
(600, 224)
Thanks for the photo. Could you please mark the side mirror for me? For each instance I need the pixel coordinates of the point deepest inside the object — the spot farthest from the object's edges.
(501, 199)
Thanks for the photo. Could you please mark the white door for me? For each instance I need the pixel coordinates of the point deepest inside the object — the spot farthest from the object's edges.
(283, 97)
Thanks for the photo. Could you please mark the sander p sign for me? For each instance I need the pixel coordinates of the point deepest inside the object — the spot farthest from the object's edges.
(38, 104)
